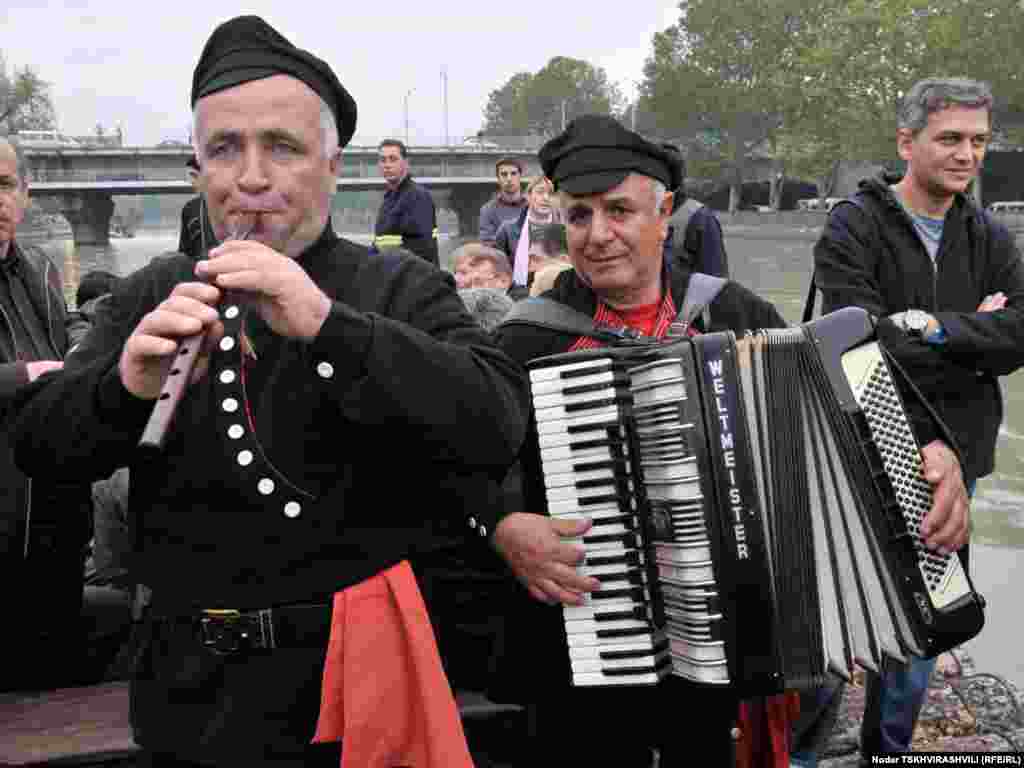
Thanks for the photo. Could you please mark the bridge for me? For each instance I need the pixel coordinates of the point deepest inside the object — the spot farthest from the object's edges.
(83, 181)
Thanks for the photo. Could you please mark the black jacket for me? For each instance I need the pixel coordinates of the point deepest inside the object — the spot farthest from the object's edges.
(390, 431)
(869, 255)
(44, 514)
(408, 219)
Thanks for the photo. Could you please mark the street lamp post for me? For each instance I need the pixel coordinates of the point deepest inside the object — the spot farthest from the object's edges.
(407, 95)
(444, 102)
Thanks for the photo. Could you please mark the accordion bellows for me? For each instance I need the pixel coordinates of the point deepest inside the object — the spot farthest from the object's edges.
(756, 504)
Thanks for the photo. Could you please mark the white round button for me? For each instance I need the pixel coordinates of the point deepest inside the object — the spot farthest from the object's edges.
(292, 509)
(325, 369)
(235, 431)
(230, 404)
(227, 343)
(231, 312)
(227, 376)
(245, 458)
(472, 522)
(265, 486)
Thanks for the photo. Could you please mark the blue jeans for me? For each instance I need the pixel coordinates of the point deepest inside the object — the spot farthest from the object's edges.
(892, 703)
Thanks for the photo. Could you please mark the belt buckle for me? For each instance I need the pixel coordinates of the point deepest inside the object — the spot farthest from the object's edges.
(229, 631)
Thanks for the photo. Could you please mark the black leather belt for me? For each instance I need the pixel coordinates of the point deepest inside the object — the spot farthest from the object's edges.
(229, 631)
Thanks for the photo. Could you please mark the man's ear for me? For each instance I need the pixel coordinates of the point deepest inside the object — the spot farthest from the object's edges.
(666, 204)
(904, 142)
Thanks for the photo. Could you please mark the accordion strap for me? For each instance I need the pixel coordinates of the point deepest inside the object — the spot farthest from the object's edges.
(553, 315)
(944, 430)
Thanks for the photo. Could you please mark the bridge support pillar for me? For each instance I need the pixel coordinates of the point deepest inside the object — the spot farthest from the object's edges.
(466, 200)
(89, 214)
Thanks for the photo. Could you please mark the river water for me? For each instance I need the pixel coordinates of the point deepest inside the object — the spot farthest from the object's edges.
(777, 266)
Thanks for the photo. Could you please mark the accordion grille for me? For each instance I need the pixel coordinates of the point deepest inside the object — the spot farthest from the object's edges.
(894, 438)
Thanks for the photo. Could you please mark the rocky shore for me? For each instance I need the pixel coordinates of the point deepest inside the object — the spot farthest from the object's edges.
(966, 711)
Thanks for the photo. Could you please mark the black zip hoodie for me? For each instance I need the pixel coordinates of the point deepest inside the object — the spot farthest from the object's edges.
(870, 255)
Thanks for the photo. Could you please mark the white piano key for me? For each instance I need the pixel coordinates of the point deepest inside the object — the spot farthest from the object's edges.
(645, 644)
(562, 479)
(570, 370)
(570, 455)
(599, 665)
(600, 433)
(549, 386)
(579, 396)
(589, 626)
(561, 423)
(599, 678)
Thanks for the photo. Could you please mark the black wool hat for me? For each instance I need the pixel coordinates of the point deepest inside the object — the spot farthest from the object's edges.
(595, 153)
(246, 48)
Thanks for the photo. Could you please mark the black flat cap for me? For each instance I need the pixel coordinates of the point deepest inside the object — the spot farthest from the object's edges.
(246, 48)
(595, 153)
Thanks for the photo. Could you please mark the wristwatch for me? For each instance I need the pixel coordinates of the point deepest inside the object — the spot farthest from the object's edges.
(915, 322)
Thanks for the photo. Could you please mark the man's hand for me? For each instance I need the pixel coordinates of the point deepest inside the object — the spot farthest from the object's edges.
(39, 367)
(285, 296)
(946, 526)
(151, 348)
(533, 547)
(992, 302)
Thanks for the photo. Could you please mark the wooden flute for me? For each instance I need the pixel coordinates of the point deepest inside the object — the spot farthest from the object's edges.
(178, 376)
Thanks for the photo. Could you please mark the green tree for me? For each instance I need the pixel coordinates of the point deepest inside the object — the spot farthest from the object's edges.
(537, 103)
(24, 101)
(720, 80)
(860, 56)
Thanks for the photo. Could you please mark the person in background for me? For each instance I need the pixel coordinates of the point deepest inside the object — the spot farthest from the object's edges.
(45, 523)
(480, 266)
(195, 235)
(695, 234)
(407, 217)
(285, 625)
(507, 204)
(515, 237)
(544, 278)
(946, 281)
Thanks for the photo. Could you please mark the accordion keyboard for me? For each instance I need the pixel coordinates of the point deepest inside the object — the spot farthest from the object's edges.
(581, 411)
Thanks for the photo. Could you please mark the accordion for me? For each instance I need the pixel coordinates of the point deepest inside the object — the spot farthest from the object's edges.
(756, 505)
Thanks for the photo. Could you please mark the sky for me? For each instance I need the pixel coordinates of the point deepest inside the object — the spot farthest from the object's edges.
(130, 63)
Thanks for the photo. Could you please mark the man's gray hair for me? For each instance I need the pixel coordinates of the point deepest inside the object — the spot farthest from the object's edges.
(935, 94)
(487, 305)
(20, 161)
(657, 187)
(328, 131)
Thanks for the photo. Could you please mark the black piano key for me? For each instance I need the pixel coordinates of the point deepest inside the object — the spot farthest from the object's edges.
(633, 593)
(605, 634)
(614, 655)
(638, 613)
(627, 558)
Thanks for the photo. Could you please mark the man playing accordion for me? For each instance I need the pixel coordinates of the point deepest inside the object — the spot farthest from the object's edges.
(611, 184)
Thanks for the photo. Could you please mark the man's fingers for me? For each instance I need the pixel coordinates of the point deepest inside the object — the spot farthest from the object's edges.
(141, 345)
(570, 528)
(557, 593)
(201, 292)
(246, 280)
